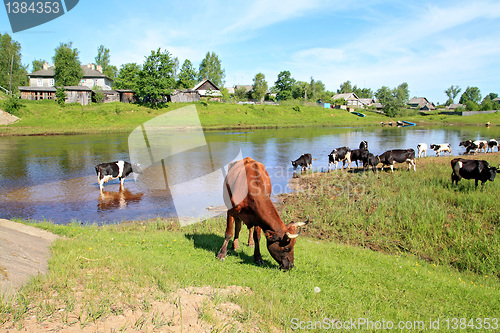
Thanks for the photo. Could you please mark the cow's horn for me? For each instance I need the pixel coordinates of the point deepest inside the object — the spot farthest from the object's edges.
(291, 236)
(298, 224)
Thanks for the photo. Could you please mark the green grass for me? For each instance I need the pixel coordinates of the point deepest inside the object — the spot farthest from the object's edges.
(47, 117)
(437, 257)
(419, 213)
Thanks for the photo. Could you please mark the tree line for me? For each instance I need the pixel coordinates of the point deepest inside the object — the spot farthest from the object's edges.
(160, 74)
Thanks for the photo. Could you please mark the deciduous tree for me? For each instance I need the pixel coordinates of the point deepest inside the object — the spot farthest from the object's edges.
(68, 71)
(103, 59)
(259, 89)
(472, 94)
(37, 65)
(12, 71)
(127, 76)
(156, 79)
(187, 78)
(284, 85)
(452, 92)
(211, 68)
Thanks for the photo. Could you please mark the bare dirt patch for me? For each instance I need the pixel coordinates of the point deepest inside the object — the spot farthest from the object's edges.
(193, 309)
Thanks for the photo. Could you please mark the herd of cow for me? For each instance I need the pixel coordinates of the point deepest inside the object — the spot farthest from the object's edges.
(479, 170)
(256, 210)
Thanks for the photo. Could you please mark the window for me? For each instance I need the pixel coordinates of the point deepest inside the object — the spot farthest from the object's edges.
(52, 82)
(95, 83)
(40, 82)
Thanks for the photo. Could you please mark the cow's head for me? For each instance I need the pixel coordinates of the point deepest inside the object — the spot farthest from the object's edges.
(465, 143)
(493, 172)
(281, 246)
(294, 164)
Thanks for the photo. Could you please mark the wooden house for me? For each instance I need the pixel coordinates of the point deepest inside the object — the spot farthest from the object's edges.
(421, 103)
(207, 89)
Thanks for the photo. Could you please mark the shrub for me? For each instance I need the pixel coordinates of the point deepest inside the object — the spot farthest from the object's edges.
(13, 104)
(61, 96)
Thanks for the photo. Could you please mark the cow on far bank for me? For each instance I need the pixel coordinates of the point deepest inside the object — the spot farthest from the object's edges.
(478, 170)
(393, 156)
(442, 147)
(342, 154)
(304, 161)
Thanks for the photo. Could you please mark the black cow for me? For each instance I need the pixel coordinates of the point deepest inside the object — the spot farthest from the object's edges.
(340, 154)
(112, 170)
(304, 161)
(398, 156)
(371, 160)
(478, 170)
(360, 154)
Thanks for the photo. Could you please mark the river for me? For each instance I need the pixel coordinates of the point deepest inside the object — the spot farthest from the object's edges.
(53, 177)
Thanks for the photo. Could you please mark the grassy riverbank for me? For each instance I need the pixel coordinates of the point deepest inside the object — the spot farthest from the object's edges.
(388, 247)
(47, 117)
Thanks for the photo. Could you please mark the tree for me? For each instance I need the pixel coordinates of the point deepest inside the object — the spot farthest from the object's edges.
(187, 76)
(156, 79)
(488, 102)
(37, 65)
(127, 76)
(68, 71)
(12, 72)
(240, 94)
(259, 89)
(284, 86)
(345, 88)
(393, 100)
(61, 96)
(452, 92)
(362, 92)
(103, 59)
(210, 68)
(472, 94)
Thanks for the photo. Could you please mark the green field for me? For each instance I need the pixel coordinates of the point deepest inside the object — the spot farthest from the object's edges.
(47, 117)
(400, 248)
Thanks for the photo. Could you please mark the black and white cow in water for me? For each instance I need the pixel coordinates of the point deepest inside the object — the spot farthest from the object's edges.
(112, 170)
(492, 144)
(442, 147)
(342, 154)
(360, 154)
(478, 170)
(398, 156)
(304, 161)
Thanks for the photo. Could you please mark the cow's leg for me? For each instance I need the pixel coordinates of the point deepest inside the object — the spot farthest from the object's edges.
(237, 229)
(121, 182)
(257, 257)
(228, 236)
(392, 167)
(250, 237)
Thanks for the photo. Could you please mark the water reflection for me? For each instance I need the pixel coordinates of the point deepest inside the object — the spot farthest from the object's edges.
(117, 200)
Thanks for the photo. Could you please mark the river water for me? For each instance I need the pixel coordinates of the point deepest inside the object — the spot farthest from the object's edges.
(53, 177)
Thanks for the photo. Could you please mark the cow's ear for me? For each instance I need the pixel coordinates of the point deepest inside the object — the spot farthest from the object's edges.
(272, 236)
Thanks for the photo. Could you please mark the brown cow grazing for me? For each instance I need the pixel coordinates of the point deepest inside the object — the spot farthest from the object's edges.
(249, 189)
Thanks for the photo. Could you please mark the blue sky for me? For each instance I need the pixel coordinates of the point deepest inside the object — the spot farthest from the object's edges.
(431, 45)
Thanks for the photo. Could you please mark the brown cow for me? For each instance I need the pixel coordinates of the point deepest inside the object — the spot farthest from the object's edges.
(249, 189)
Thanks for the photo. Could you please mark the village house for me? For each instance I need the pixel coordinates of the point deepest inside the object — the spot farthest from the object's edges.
(421, 103)
(42, 85)
(351, 99)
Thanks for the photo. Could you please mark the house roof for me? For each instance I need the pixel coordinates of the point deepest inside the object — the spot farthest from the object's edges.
(47, 89)
(367, 101)
(87, 73)
(418, 100)
(247, 87)
(205, 84)
(346, 96)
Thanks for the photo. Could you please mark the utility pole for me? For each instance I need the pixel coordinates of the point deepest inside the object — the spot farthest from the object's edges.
(11, 65)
